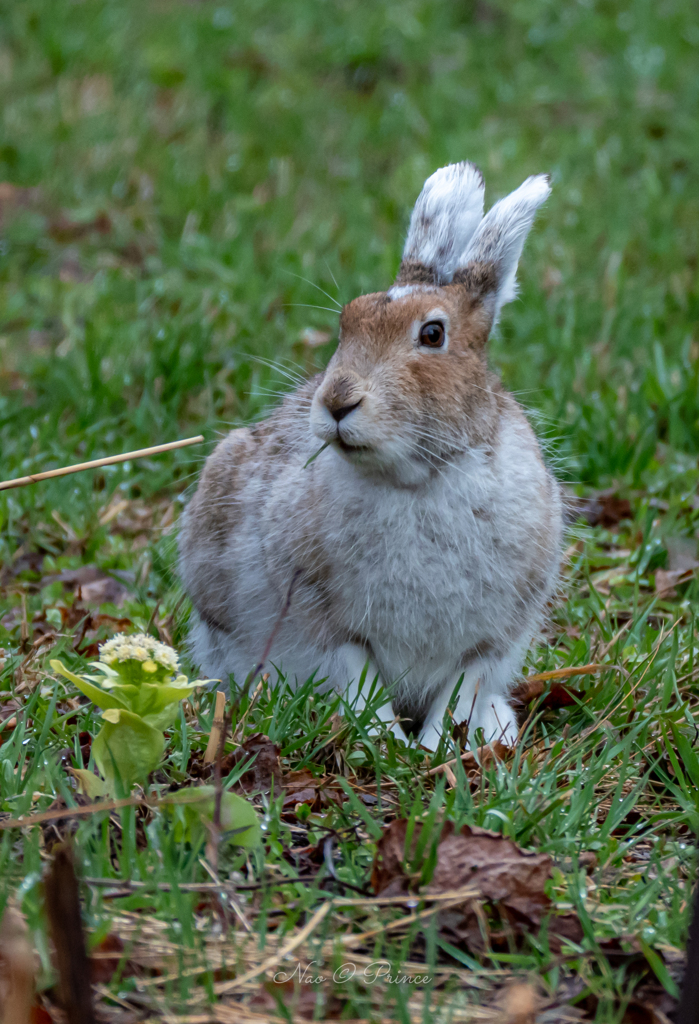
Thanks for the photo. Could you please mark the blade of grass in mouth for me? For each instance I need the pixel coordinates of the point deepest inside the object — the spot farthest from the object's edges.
(315, 456)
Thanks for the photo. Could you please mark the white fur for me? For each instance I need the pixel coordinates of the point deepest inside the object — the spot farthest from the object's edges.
(500, 236)
(400, 291)
(445, 216)
(420, 573)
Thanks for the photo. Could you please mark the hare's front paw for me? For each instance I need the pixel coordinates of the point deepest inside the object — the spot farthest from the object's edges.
(496, 719)
(491, 714)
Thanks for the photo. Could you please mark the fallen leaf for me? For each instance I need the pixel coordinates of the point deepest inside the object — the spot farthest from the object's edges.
(136, 517)
(558, 696)
(265, 769)
(667, 579)
(300, 787)
(604, 509)
(505, 875)
(105, 959)
(306, 859)
(91, 585)
(8, 711)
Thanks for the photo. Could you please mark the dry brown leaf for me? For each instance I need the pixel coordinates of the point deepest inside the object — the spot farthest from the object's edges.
(474, 761)
(105, 959)
(603, 509)
(559, 696)
(63, 229)
(667, 579)
(91, 585)
(318, 791)
(513, 879)
(265, 769)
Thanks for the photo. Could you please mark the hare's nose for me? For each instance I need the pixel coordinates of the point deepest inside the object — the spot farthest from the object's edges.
(338, 412)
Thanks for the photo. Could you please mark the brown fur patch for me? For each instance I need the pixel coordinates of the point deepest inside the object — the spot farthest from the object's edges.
(414, 272)
(478, 278)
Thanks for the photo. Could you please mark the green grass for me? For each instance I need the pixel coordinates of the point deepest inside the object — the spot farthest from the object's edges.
(181, 179)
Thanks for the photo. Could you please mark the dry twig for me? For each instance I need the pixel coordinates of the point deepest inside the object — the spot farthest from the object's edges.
(216, 728)
(110, 460)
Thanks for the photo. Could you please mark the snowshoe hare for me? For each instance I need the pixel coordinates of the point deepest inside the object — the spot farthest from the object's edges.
(425, 539)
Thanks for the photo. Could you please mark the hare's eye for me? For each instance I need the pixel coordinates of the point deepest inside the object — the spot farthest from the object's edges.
(432, 334)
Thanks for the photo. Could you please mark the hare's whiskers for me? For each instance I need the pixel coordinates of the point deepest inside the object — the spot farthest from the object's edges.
(314, 285)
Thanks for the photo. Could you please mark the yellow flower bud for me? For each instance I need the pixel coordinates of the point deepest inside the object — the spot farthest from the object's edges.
(149, 666)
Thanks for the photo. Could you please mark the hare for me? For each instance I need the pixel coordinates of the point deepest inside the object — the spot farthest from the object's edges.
(424, 541)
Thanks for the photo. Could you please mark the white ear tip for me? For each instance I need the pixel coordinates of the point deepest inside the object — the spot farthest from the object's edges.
(452, 188)
(534, 190)
(500, 236)
(456, 176)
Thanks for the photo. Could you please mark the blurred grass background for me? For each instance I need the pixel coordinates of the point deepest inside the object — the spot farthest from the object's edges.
(173, 171)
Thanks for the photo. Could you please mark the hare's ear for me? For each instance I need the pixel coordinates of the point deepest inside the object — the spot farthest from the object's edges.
(497, 243)
(446, 214)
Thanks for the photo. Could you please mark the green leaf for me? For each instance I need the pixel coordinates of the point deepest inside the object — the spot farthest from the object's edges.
(193, 806)
(126, 749)
(99, 697)
(90, 785)
(157, 699)
(687, 753)
(659, 969)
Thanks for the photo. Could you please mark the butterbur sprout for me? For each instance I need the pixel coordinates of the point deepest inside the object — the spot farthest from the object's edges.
(132, 656)
(139, 689)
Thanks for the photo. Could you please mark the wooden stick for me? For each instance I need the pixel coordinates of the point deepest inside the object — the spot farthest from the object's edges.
(216, 728)
(72, 812)
(111, 460)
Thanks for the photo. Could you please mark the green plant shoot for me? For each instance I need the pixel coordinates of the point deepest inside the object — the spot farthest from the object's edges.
(139, 689)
